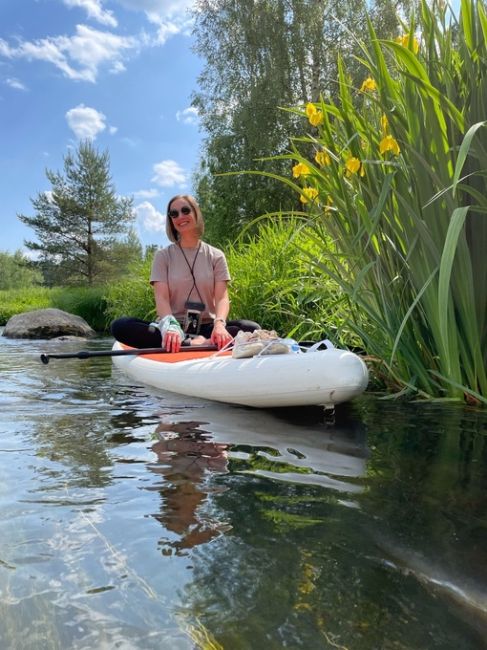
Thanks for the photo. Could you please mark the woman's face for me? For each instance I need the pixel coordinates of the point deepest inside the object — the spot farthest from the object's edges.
(182, 216)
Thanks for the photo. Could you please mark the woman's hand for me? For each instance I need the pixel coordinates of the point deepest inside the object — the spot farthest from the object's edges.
(172, 334)
(171, 342)
(220, 336)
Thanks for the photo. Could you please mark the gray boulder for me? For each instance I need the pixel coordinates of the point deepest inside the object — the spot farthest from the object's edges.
(46, 324)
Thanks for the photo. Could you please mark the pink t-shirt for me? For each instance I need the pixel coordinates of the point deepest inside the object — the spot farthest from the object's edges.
(210, 266)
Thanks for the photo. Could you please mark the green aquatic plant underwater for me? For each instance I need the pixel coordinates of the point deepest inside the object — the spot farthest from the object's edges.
(395, 172)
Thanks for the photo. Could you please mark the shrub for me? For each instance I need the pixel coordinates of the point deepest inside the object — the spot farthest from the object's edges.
(17, 301)
(276, 285)
(88, 302)
(132, 296)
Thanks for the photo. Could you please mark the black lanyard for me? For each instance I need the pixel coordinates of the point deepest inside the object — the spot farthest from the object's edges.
(191, 270)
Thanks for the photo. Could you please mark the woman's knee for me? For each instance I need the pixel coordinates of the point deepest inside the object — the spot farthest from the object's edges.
(246, 325)
(120, 325)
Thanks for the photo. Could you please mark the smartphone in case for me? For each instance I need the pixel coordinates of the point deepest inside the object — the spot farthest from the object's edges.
(192, 321)
(194, 306)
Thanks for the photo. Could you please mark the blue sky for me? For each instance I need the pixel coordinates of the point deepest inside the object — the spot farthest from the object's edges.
(120, 72)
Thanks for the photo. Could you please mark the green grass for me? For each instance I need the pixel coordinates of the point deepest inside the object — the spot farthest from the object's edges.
(17, 301)
(276, 285)
(89, 303)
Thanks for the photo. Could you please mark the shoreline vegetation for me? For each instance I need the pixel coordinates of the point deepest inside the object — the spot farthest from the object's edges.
(385, 249)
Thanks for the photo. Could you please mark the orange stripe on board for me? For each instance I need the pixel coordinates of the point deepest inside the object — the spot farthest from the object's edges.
(174, 357)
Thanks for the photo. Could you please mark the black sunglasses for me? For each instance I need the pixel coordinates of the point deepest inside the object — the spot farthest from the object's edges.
(174, 214)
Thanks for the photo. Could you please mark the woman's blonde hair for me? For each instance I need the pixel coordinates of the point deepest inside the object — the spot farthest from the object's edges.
(171, 231)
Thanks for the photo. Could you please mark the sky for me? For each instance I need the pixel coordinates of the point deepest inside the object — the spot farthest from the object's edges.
(118, 72)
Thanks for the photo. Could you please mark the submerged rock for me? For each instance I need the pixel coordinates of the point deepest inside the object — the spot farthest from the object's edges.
(46, 324)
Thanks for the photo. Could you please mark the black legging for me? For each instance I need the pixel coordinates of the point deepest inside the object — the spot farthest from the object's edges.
(138, 334)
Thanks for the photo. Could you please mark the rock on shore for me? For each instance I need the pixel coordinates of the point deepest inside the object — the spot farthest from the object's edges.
(46, 324)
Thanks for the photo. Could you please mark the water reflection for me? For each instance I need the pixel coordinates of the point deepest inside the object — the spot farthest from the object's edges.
(135, 518)
(190, 457)
(186, 456)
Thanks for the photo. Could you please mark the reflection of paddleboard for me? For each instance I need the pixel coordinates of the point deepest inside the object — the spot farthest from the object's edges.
(321, 377)
(332, 455)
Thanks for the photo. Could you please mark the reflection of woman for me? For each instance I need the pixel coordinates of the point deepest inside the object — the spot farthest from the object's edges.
(184, 461)
(190, 280)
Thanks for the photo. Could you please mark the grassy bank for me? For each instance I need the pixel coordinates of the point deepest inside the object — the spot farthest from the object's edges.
(89, 303)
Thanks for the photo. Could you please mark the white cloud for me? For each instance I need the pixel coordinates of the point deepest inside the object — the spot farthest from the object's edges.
(188, 116)
(171, 16)
(165, 31)
(94, 10)
(149, 217)
(158, 9)
(146, 194)
(169, 173)
(85, 122)
(80, 56)
(15, 83)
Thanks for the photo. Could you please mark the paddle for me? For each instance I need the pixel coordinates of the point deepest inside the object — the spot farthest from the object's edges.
(86, 354)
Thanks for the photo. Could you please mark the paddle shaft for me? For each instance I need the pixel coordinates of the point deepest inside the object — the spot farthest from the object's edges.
(86, 354)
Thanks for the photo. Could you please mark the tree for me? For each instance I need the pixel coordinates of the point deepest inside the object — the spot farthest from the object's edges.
(262, 56)
(15, 271)
(79, 222)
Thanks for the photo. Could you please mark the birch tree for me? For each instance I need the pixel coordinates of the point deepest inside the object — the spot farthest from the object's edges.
(260, 57)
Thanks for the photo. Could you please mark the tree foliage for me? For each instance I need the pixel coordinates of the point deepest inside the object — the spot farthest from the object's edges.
(80, 222)
(261, 56)
(16, 272)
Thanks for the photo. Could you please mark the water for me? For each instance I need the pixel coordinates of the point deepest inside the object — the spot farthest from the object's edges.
(136, 519)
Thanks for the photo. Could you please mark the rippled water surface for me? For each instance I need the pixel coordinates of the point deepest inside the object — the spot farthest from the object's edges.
(136, 519)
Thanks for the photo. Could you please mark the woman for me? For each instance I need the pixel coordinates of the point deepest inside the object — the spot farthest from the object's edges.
(190, 279)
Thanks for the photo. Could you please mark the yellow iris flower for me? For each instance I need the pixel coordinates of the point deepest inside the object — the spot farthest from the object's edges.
(308, 194)
(314, 116)
(404, 41)
(353, 165)
(322, 158)
(384, 125)
(368, 85)
(301, 170)
(389, 144)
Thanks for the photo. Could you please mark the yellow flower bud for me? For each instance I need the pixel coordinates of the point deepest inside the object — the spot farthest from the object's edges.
(404, 41)
(310, 109)
(353, 165)
(308, 194)
(316, 119)
(314, 115)
(322, 158)
(389, 144)
(368, 85)
(301, 170)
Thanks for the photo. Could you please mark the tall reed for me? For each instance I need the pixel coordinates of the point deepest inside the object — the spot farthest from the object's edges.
(396, 173)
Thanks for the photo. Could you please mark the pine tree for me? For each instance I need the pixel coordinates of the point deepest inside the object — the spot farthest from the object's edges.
(79, 221)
